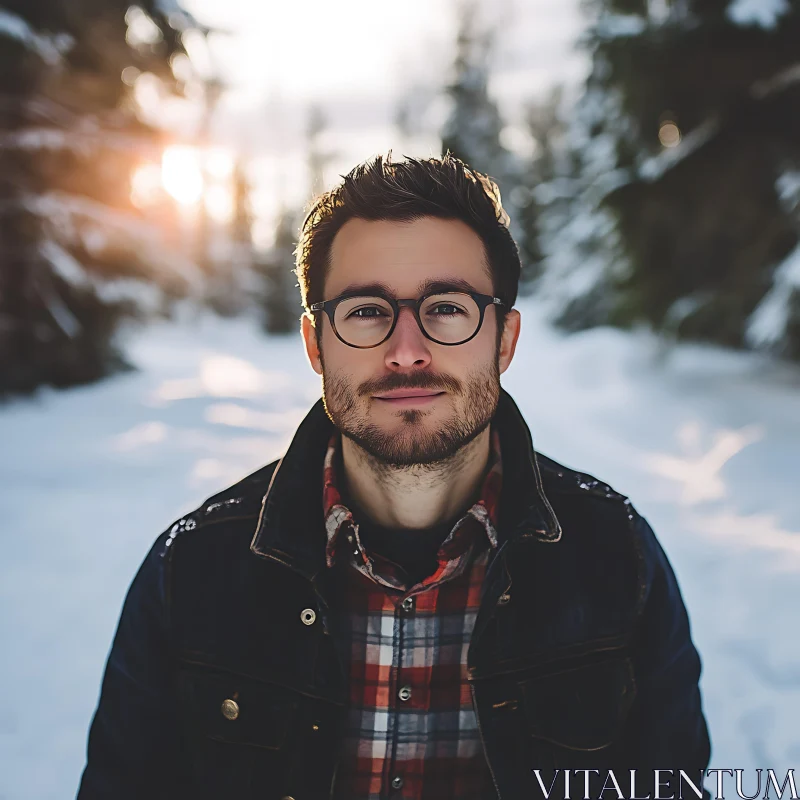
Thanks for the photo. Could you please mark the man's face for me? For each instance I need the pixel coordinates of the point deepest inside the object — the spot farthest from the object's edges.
(410, 400)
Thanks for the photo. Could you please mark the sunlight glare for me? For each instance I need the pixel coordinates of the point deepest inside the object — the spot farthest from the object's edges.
(181, 174)
(219, 203)
(219, 163)
(145, 185)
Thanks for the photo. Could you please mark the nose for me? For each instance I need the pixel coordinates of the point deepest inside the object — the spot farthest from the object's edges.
(408, 348)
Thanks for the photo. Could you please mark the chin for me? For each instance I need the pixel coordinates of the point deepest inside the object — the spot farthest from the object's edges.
(410, 416)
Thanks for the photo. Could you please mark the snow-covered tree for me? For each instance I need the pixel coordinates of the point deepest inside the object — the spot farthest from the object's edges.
(528, 201)
(281, 297)
(279, 293)
(473, 131)
(672, 213)
(75, 256)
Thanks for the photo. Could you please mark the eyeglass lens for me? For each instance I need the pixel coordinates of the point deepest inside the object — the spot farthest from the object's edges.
(449, 318)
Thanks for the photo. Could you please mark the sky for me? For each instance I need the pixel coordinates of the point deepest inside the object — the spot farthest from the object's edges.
(356, 59)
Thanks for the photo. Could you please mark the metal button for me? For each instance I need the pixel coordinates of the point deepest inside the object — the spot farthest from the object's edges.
(287, 797)
(315, 727)
(308, 616)
(404, 693)
(407, 604)
(230, 709)
(504, 599)
(397, 782)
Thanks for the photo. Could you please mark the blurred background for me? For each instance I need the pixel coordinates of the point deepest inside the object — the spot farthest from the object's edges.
(155, 163)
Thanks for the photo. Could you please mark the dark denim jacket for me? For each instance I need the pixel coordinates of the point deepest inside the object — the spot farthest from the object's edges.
(581, 657)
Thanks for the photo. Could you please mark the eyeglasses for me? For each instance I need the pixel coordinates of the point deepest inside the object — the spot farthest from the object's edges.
(448, 318)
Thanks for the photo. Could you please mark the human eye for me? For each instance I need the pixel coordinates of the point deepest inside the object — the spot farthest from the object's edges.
(367, 312)
(445, 309)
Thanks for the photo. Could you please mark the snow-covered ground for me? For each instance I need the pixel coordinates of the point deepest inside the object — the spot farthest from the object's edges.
(705, 442)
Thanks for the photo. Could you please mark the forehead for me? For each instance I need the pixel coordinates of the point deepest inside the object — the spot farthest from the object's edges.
(405, 255)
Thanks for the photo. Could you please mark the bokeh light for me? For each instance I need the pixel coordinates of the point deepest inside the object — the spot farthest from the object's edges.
(219, 163)
(669, 134)
(146, 186)
(219, 203)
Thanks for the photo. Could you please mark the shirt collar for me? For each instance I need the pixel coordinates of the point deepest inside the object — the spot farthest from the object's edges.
(290, 527)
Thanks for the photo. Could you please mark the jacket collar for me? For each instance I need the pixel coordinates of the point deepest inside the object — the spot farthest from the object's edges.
(290, 527)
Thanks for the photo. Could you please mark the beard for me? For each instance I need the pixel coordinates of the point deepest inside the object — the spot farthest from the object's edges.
(474, 402)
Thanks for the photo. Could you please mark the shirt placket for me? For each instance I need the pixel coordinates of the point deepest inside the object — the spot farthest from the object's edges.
(411, 691)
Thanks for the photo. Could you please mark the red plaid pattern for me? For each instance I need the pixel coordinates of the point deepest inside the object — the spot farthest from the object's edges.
(411, 729)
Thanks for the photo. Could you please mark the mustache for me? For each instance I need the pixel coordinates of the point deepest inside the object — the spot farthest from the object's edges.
(419, 380)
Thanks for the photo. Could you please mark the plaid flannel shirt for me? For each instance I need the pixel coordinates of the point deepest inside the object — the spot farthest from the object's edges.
(411, 729)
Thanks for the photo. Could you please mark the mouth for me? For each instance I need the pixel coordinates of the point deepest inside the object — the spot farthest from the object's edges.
(401, 397)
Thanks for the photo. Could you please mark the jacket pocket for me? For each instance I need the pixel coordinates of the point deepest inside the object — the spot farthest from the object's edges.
(239, 710)
(238, 732)
(580, 709)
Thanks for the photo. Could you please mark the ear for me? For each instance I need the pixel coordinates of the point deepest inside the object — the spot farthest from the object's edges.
(508, 342)
(310, 341)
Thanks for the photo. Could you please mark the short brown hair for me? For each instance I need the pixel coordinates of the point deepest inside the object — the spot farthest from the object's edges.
(403, 191)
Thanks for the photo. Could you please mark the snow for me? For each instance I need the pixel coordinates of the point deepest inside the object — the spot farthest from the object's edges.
(765, 13)
(64, 264)
(767, 326)
(610, 26)
(703, 440)
(76, 220)
(49, 48)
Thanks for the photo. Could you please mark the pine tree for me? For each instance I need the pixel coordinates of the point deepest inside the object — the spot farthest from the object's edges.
(472, 132)
(693, 107)
(230, 262)
(529, 200)
(281, 301)
(281, 297)
(75, 257)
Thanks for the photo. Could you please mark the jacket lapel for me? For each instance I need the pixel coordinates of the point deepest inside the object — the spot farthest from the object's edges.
(290, 528)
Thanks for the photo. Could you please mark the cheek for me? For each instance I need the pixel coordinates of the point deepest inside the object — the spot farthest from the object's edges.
(349, 364)
(466, 358)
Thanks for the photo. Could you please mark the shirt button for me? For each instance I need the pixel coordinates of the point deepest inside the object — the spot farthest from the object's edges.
(404, 693)
(407, 604)
(397, 782)
(308, 616)
(230, 709)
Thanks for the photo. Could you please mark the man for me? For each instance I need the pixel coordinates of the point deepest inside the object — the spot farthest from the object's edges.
(412, 603)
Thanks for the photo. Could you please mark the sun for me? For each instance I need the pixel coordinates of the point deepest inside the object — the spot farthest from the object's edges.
(182, 174)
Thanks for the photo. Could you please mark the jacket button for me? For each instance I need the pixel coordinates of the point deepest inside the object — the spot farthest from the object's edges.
(404, 693)
(407, 604)
(397, 782)
(230, 709)
(504, 599)
(287, 797)
(308, 616)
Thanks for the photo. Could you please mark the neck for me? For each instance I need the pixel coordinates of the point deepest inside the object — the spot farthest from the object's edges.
(418, 496)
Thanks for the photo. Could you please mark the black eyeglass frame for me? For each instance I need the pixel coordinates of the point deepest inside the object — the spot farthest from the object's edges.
(483, 301)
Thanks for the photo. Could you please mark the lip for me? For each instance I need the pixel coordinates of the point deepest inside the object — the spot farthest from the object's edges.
(397, 394)
(408, 396)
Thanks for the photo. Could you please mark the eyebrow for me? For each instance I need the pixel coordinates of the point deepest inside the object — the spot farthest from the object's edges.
(426, 287)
